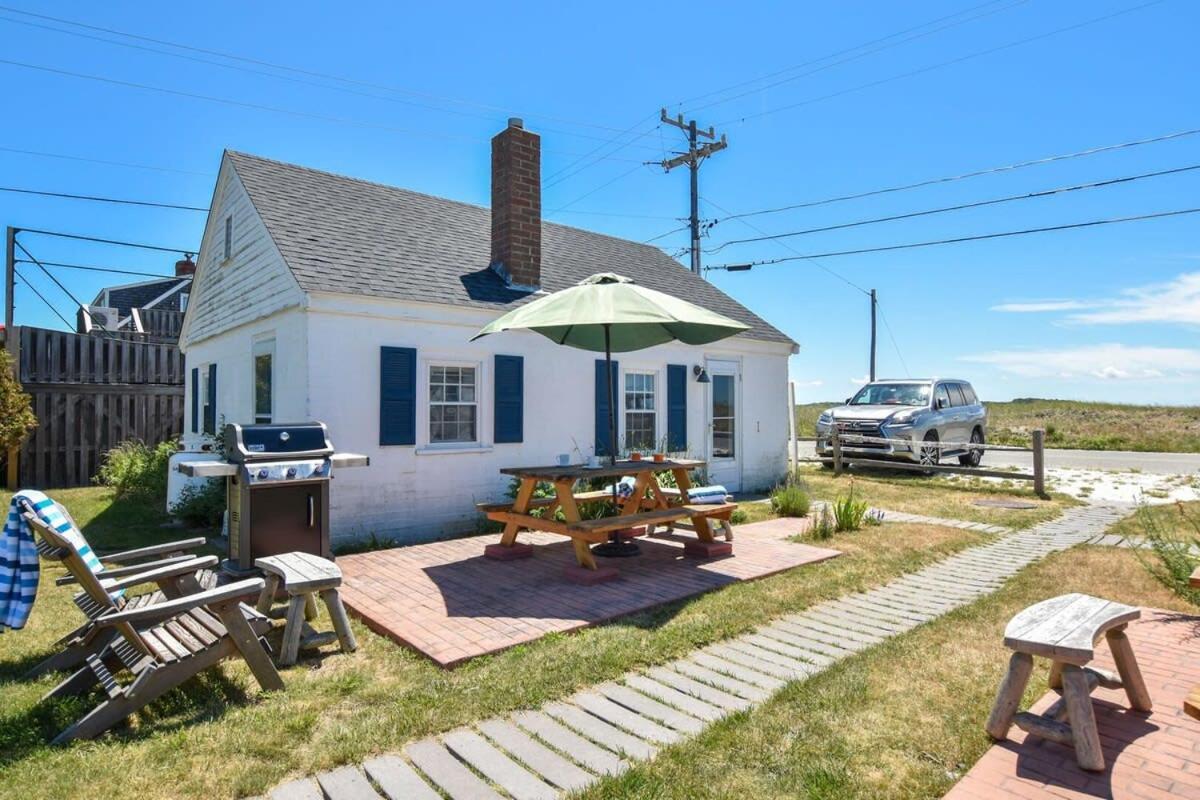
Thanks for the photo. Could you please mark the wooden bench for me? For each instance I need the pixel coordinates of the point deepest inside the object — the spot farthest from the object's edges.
(301, 575)
(1065, 629)
(1191, 704)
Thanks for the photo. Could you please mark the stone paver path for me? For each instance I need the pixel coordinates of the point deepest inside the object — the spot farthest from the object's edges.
(567, 744)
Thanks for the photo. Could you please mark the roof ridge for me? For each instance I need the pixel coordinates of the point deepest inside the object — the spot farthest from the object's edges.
(437, 197)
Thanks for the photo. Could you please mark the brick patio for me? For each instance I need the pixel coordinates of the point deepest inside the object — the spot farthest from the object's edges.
(1147, 756)
(444, 599)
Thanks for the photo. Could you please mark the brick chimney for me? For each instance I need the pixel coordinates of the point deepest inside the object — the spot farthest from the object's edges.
(185, 267)
(517, 206)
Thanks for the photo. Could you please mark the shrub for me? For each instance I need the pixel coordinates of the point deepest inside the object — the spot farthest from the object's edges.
(1174, 557)
(790, 501)
(848, 513)
(201, 505)
(137, 471)
(738, 517)
(16, 412)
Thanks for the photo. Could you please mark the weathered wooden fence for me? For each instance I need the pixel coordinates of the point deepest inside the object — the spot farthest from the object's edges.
(90, 393)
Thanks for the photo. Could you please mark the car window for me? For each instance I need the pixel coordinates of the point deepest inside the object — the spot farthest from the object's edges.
(892, 394)
(942, 397)
(956, 394)
(969, 393)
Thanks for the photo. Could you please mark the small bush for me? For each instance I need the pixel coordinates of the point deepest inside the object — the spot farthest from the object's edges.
(1174, 557)
(16, 413)
(790, 501)
(201, 505)
(137, 471)
(848, 513)
(738, 517)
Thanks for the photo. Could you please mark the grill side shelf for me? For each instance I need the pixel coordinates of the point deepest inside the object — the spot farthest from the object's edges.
(341, 460)
(207, 469)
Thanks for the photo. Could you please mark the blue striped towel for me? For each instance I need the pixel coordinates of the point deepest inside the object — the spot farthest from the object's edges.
(19, 567)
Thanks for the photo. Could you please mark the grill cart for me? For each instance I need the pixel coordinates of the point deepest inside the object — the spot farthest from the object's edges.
(276, 489)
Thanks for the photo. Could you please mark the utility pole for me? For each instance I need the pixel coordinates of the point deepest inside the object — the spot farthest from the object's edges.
(10, 278)
(874, 303)
(695, 154)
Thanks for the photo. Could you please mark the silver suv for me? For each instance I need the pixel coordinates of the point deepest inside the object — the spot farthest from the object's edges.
(912, 414)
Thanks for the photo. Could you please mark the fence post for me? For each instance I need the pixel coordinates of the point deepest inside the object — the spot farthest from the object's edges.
(837, 451)
(1039, 462)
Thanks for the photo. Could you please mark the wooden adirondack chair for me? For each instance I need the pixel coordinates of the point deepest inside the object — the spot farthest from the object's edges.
(161, 644)
(174, 572)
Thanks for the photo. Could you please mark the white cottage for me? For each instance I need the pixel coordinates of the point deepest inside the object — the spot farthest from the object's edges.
(318, 296)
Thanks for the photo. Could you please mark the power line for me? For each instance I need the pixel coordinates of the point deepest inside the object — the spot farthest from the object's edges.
(42, 154)
(99, 240)
(896, 347)
(965, 175)
(941, 64)
(82, 307)
(276, 66)
(665, 235)
(97, 199)
(260, 106)
(604, 185)
(956, 240)
(49, 305)
(791, 249)
(88, 268)
(960, 206)
(550, 178)
(857, 56)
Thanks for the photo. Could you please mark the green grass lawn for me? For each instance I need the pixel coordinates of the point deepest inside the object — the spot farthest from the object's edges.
(1170, 519)
(219, 737)
(901, 720)
(1074, 424)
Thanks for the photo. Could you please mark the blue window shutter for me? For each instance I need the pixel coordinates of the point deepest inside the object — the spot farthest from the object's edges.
(602, 437)
(210, 413)
(510, 399)
(397, 395)
(677, 385)
(195, 399)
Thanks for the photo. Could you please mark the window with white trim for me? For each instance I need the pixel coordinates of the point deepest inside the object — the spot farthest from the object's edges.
(264, 381)
(453, 404)
(641, 411)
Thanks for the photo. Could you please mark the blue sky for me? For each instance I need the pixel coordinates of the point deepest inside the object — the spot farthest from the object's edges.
(1106, 313)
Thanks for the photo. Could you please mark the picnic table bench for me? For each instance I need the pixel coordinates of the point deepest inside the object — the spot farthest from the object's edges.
(1191, 704)
(1065, 629)
(648, 505)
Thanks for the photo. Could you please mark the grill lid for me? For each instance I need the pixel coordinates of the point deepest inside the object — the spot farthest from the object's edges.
(243, 443)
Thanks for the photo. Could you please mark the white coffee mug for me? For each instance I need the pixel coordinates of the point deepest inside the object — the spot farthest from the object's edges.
(594, 462)
(564, 459)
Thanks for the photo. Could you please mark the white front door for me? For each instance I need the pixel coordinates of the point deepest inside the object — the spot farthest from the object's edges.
(724, 424)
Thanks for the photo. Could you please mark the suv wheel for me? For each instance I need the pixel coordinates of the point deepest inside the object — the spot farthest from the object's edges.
(930, 456)
(972, 458)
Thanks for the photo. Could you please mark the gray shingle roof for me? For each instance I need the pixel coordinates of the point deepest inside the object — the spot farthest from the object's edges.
(340, 234)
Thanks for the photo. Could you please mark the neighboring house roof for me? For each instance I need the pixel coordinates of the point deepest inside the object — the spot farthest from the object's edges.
(345, 235)
(129, 296)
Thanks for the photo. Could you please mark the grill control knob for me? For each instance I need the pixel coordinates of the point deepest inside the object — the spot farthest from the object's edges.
(262, 474)
(291, 473)
(283, 437)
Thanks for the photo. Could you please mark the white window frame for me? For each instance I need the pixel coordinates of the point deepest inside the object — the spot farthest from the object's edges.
(659, 401)
(227, 249)
(425, 405)
(262, 347)
(203, 374)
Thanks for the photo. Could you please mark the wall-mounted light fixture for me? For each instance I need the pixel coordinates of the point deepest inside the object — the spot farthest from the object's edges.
(701, 374)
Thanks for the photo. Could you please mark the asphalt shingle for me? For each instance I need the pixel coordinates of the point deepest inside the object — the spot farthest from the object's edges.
(345, 235)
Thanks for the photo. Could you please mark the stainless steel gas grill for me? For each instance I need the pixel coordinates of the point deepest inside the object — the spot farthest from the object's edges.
(276, 489)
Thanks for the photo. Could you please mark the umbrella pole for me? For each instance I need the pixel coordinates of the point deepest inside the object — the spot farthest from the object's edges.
(615, 547)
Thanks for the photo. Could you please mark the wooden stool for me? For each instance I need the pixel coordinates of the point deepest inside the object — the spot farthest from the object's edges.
(301, 575)
(1065, 629)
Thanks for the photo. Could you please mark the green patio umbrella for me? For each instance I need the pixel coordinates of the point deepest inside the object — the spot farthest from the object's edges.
(610, 313)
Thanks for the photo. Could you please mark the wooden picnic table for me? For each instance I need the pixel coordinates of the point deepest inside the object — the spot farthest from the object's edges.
(1191, 705)
(647, 505)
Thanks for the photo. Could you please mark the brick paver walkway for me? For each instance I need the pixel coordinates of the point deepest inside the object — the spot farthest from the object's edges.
(567, 744)
(446, 600)
(1147, 755)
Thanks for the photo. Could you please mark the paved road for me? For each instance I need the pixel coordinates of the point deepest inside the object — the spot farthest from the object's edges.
(1153, 463)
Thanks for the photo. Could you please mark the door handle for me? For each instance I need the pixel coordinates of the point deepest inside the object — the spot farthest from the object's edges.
(311, 511)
